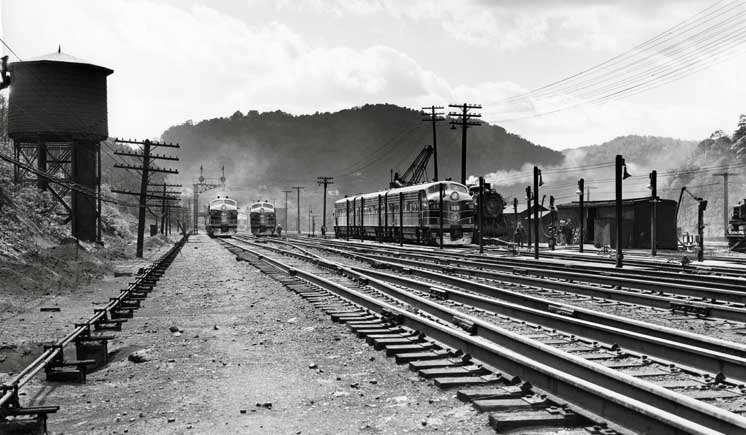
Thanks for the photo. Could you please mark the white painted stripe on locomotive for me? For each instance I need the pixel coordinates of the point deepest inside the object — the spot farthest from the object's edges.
(405, 190)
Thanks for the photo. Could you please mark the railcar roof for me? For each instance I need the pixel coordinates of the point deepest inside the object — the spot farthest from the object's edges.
(396, 191)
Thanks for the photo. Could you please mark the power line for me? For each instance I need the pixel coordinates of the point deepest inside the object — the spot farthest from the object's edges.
(638, 76)
(600, 69)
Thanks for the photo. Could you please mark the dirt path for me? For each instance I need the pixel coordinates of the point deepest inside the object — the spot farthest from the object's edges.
(249, 357)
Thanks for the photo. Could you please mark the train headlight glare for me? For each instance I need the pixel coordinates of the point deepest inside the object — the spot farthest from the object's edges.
(223, 207)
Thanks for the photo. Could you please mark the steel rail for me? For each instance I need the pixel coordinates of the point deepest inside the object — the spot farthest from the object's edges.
(680, 350)
(641, 261)
(731, 296)
(534, 302)
(599, 391)
(517, 277)
(675, 275)
(12, 386)
(637, 278)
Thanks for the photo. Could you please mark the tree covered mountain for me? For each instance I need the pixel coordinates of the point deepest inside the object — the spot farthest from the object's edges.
(266, 153)
(358, 146)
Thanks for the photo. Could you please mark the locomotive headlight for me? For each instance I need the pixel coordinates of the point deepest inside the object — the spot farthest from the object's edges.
(454, 196)
(223, 207)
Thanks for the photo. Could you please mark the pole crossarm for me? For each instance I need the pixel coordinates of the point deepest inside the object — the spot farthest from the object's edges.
(141, 155)
(149, 195)
(152, 143)
(164, 184)
(150, 169)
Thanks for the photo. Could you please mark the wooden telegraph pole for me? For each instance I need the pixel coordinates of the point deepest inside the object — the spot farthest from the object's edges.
(465, 120)
(146, 169)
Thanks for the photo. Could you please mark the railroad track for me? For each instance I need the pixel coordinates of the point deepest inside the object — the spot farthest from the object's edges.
(661, 262)
(715, 297)
(632, 392)
(91, 349)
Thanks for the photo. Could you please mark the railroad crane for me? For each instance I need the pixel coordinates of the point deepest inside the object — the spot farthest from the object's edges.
(415, 173)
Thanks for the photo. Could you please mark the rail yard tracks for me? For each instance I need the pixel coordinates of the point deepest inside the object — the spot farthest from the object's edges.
(90, 344)
(633, 376)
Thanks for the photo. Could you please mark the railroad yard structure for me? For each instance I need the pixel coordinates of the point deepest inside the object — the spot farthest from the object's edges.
(424, 296)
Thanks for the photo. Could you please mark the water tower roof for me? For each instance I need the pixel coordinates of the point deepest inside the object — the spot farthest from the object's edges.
(59, 56)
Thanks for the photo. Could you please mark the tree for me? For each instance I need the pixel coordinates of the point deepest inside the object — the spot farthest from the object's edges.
(739, 139)
(741, 130)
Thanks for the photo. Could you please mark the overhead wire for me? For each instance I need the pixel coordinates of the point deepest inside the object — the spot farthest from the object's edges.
(701, 52)
(603, 73)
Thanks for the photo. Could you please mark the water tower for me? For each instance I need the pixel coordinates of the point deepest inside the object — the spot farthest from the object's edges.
(57, 117)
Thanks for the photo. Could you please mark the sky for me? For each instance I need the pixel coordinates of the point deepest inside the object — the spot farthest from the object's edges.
(176, 60)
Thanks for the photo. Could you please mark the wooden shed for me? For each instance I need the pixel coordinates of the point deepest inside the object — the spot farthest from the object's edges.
(600, 222)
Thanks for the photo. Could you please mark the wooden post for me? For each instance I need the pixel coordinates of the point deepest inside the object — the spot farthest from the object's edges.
(401, 219)
(440, 218)
(143, 199)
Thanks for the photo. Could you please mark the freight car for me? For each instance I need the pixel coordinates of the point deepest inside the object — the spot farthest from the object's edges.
(262, 219)
(412, 212)
(222, 217)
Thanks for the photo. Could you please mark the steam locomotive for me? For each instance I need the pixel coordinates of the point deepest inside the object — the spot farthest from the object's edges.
(494, 223)
(262, 219)
(414, 212)
(222, 217)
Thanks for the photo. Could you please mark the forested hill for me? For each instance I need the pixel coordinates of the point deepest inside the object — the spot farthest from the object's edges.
(272, 151)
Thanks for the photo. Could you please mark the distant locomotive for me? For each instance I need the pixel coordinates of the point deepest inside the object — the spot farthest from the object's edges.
(737, 228)
(262, 219)
(494, 223)
(378, 215)
(222, 217)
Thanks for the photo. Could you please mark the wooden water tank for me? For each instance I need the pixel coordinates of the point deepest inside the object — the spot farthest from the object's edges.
(57, 97)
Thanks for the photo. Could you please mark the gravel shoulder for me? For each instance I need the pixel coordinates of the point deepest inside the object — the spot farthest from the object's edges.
(229, 350)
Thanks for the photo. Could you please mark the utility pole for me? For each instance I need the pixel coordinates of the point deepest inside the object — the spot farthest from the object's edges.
(286, 209)
(620, 171)
(481, 214)
(325, 181)
(298, 188)
(701, 207)
(537, 182)
(580, 192)
(435, 116)
(202, 185)
(653, 212)
(725, 176)
(309, 219)
(465, 119)
(553, 223)
(528, 216)
(146, 170)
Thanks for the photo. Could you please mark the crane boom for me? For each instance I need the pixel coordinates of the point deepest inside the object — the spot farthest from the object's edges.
(416, 171)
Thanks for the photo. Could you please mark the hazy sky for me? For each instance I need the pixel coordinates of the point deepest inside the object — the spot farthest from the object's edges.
(186, 59)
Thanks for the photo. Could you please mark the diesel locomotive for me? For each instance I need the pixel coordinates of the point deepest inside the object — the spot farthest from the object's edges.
(222, 217)
(416, 213)
(262, 219)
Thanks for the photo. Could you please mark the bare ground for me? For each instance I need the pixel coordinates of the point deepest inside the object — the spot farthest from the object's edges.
(249, 357)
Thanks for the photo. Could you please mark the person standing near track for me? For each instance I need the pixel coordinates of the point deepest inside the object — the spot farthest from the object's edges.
(518, 235)
(279, 230)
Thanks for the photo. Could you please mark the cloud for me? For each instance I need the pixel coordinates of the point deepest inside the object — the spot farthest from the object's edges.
(174, 62)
